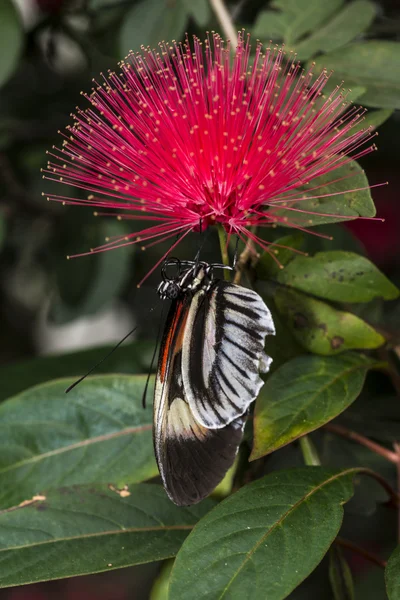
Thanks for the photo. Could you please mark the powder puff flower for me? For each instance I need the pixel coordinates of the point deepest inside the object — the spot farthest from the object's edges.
(185, 137)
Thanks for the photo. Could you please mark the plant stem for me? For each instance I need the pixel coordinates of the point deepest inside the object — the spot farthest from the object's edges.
(368, 555)
(393, 494)
(309, 451)
(224, 18)
(224, 250)
(364, 441)
(397, 449)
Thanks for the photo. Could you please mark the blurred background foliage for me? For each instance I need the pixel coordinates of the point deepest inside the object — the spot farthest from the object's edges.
(52, 308)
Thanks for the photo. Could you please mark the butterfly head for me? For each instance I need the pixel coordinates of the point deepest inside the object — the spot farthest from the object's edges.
(182, 277)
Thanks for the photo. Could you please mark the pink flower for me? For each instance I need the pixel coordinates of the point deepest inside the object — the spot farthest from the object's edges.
(186, 138)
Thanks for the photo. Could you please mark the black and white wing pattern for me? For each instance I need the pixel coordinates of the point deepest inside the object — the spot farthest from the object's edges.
(223, 352)
(191, 458)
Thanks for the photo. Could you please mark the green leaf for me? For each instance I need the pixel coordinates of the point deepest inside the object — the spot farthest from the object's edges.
(131, 358)
(320, 389)
(199, 10)
(79, 530)
(322, 329)
(340, 575)
(374, 64)
(282, 248)
(283, 346)
(352, 20)
(264, 540)
(91, 285)
(11, 39)
(150, 22)
(270, 25)
(352, 199)
(303, 16)
(99, 432)
(338, 276)
(392, 575)
(374, 119)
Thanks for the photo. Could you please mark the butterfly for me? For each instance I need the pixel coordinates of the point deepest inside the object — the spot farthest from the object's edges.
(211, 356)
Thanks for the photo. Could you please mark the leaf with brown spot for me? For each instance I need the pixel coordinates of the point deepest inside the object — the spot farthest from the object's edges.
(98, 433)
(91, 530)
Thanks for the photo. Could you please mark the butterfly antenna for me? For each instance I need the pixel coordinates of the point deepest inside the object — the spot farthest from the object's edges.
(146, 387)
(71, 387)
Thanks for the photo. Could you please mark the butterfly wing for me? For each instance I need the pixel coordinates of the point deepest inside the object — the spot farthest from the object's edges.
(223, 352)
(191, 458)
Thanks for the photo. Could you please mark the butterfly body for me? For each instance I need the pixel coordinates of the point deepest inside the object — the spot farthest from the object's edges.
(208, 374)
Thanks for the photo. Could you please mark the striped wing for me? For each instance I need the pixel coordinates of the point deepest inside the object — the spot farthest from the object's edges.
(223, 352)
(191, 458)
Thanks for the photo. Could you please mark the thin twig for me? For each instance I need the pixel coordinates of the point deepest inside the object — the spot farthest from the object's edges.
(396, 446)
(224, 18)
(368, 555)
(249, 251)
(364, 441)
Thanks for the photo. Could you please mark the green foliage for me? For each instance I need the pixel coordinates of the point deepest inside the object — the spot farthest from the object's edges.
(11, 39)
(338, 276)
(340, 575)
(294, 19)
(320, 389)
(321, 328)
(72, 467)
(351, 21)
(90, 286)
(374, 64)
(317, 204)
(93, 528)
(392, 575)
(268, 536)
(131, 358)
(98, 433)
(152, 21)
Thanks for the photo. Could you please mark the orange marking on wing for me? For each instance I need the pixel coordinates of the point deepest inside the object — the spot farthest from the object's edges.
(170, 337)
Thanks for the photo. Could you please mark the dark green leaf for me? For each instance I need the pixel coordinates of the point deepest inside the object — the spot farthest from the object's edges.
(90, 286)
(392, 575)
(199, 10)
(340, 239)
(78, 530)
(99, 432)
(282, 249)
(374, 119)
(338, 276)
(346, 205)
(283, 346)
(352, 20)
(297, 18)
(319, 390)
(271, 25)
(131, 358)
(374, 64)
(264, 540)
(11, 39)
(150, 22)
(340, 575)
(321, 328)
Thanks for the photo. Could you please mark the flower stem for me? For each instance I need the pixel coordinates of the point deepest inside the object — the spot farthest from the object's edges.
(224, 250)
(309, 451)
(224, 18)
